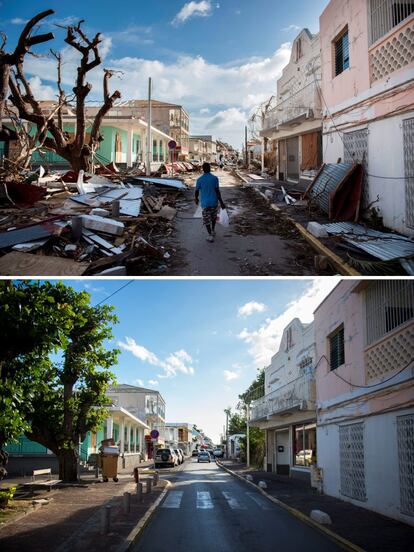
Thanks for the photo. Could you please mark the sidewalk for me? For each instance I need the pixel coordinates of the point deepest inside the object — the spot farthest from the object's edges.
(366, 529)
(71, 520)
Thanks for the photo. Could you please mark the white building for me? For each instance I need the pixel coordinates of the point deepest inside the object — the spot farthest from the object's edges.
(287, 411)
(293, 119)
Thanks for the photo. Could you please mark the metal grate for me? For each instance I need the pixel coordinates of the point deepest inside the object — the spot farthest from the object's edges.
(351, 460)
(405, 437)
(388, 305)
(408, 139)
(387, 14)
(342, 53)
(356, 150)
(336, 348)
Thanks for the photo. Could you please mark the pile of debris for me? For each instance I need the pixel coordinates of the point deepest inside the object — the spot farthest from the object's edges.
(73, 224)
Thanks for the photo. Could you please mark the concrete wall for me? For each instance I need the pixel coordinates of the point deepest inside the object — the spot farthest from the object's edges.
(381, 464)
(24, 465)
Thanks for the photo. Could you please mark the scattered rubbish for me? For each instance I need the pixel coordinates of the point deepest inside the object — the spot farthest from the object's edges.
(255, 177)
(164, 182)
(101, 224)
(28, 264)
(28, 234)
(337, 190)
(114, 271)
(29, 246)
(288, 198)
(262, 484)
(21, 193)
(100, 212)
(317, 230)
(223, 218)
(167, 212)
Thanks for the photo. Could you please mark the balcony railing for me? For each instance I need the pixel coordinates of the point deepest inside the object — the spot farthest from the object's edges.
(303, 105)
(299, 394)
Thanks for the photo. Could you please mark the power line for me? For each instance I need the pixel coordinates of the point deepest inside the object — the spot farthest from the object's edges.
(114, 293)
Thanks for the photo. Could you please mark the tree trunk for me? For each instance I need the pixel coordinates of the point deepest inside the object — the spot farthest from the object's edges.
(68, 461)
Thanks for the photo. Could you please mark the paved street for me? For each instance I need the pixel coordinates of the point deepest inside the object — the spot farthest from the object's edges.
(257, 242)
(208, 509)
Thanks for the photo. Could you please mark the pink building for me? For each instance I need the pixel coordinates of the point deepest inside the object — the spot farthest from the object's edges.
(364, 340)
(367, 58)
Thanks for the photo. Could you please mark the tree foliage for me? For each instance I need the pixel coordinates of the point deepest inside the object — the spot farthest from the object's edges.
(59, 383)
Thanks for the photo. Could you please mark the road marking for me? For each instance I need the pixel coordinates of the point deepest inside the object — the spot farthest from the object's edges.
(204, 500)
(233, 502)
(262, 502)
(173, 499)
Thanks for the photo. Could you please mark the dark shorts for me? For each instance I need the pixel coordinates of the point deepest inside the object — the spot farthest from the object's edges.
(210, 215)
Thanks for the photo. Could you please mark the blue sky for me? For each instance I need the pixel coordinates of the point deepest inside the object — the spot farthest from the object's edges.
(200, 342)
(219, 59)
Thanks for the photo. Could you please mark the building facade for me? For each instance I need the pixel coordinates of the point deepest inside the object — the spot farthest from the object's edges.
(364, 334)
(368, 93)
(145, 404)
(292, 122)
(287, 411)
(171, 119)
(179, 435)
(203, 149)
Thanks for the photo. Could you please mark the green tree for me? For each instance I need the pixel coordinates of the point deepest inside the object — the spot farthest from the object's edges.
(63, 394)
(256, 436)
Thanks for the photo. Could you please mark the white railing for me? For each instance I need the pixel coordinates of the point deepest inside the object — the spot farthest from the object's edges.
(305, 102)
(299, 393)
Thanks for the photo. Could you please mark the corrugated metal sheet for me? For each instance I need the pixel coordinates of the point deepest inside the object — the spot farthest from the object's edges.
(327, 182)
(384, 246)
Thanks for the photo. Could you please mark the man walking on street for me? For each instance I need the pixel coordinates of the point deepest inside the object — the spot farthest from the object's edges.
(208, 193)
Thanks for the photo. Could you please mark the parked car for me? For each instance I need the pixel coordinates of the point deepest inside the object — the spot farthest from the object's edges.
(218, 453)
(203, 456)
(194, 453)
(180, 455)
(165, 457)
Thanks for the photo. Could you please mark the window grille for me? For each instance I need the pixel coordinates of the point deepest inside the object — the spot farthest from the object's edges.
(289, 338)
(388, 305)
(336, 348)
(342, 53)
(352, 460)
(384, 15)
(405, 437)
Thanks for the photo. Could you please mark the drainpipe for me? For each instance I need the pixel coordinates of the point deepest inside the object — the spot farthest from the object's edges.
(247, 436)
(149, 135)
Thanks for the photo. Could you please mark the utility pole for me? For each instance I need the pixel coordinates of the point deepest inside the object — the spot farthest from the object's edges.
(263, 142)
(149, 135)
(247, 435)
(227, 411)
(245, 146)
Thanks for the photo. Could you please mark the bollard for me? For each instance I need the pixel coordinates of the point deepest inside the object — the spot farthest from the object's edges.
(156, 479)
(139, 492)
(136, 475)
(149, 482)
(115, 208)
(126, 503)
(106, 520)
(76, 228)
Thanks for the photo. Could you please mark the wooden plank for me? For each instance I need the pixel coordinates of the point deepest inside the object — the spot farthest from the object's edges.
(45, 471)
(27, 264)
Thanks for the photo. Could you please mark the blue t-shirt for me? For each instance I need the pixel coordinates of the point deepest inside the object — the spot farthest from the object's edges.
(208, 184)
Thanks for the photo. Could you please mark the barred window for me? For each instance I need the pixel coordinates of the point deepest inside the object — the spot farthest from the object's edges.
(384, 15)
(336, 348)
(388, 305)
(342, 52)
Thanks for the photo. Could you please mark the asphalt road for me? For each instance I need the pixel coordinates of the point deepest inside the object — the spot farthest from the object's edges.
(207, 509)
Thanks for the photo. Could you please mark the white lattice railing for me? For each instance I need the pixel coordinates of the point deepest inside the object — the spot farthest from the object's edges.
(299, 393)
(305, 101)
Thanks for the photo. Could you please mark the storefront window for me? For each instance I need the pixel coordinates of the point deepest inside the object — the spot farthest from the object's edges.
(304, 453)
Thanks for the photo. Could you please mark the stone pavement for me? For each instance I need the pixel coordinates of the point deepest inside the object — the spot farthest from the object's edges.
(71, 520)
(366, 529)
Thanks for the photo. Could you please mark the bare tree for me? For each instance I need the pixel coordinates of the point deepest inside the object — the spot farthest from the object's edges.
(75, 147)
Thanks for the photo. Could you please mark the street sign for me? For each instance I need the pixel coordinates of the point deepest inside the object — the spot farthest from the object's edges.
(172, 144)
(154, 434)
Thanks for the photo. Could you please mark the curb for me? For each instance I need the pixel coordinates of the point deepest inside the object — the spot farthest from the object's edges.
(135, 534)
(346, 544)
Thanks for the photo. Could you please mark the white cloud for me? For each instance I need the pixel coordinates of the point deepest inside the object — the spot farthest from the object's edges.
(264, 342)
(292, 27)
(233, 88)
(229, 375)
(193, 9)
(179, 361)
(249, 308)
(18, 21)
(41, 91)
(139, 382)
(152, 382)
